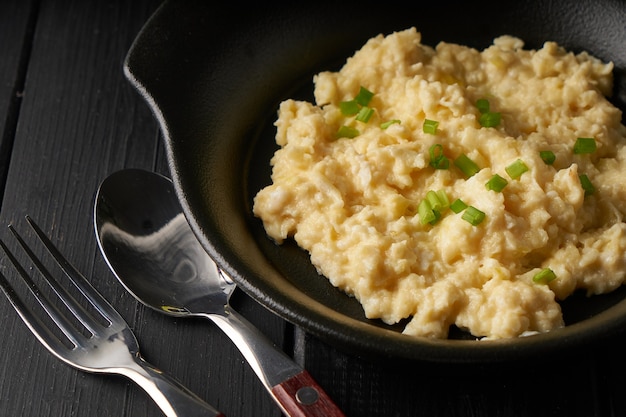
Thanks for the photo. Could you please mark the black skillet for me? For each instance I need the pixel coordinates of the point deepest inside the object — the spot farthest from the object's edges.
(214, 74)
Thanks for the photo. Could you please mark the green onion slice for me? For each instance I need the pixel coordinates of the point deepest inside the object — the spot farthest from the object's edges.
(443, 199)
(438, 200)
(349, 108)
(483, 105)
(584, 145)
(544, 276)
(430, 208)
(364, 96)
(430, 126)
(437, 215)
(487, 117)
(347, 132)
(437, 159)
(426, 213)
(516, 169)
(473, 216)
(388, 123)
(466, 165)
(458, 206)
(548, 157)
(586, 184)
(496, 183)
(490, 119)
(365, 114)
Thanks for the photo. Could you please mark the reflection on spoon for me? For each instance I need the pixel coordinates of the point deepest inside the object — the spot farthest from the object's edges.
(153, 252)
(169, 251)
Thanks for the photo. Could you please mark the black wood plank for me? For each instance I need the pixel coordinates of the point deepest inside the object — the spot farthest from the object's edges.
(74, 103)
(17, 22)
(610, 374)
(79, 121)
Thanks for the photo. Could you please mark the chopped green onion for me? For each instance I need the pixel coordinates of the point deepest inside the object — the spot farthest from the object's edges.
(443, 198)
(544, 276)
(584, 145)
(586, 184)
(473, 216)
(496, 183)
(388, 123)
(430, 126)
(358, 106)
(437, 159)
(347, 132)
(364, 96)
(349, 108)
(429, 209)
(516, 169)
(437, 217)
(487, 117)
(483, 105)
(426, 213)
(490, 119)
(432, 199)
(458, 206)
(466, 165)
(365, 114)
(548, 157)
(438, 200)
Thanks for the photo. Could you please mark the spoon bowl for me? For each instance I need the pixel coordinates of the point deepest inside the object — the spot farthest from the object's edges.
(148, 244)
(151, 248)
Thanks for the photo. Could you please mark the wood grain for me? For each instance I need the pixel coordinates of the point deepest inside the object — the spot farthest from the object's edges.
(80, 120)
(68, 118)
(17, 23)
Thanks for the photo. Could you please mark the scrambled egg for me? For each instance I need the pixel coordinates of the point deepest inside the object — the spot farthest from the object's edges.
(539, 216)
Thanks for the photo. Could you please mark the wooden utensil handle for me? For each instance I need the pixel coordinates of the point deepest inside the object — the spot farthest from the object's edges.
(301, 396)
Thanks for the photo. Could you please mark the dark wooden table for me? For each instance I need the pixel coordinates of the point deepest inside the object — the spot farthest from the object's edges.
(69, 118)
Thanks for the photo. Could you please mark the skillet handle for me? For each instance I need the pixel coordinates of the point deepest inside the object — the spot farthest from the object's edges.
(301, 396)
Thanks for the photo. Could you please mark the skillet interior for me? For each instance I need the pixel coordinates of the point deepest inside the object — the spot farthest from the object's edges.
(214, 80)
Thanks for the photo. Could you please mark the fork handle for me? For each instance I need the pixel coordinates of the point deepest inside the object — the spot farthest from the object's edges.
(171, 396)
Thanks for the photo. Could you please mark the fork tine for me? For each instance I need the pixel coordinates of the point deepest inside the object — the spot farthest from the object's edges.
(78, 279)
(70, 302)
(113, 349)
(35, 324)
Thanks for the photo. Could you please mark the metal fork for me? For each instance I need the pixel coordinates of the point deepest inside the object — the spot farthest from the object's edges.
(110, 348)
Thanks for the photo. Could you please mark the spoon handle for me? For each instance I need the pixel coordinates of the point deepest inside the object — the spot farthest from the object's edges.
(291, 386)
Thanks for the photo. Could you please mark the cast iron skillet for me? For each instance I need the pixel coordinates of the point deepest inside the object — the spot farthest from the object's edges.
(214, 77)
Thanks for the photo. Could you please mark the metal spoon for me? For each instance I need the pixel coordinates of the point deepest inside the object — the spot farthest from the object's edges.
(148, 244)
